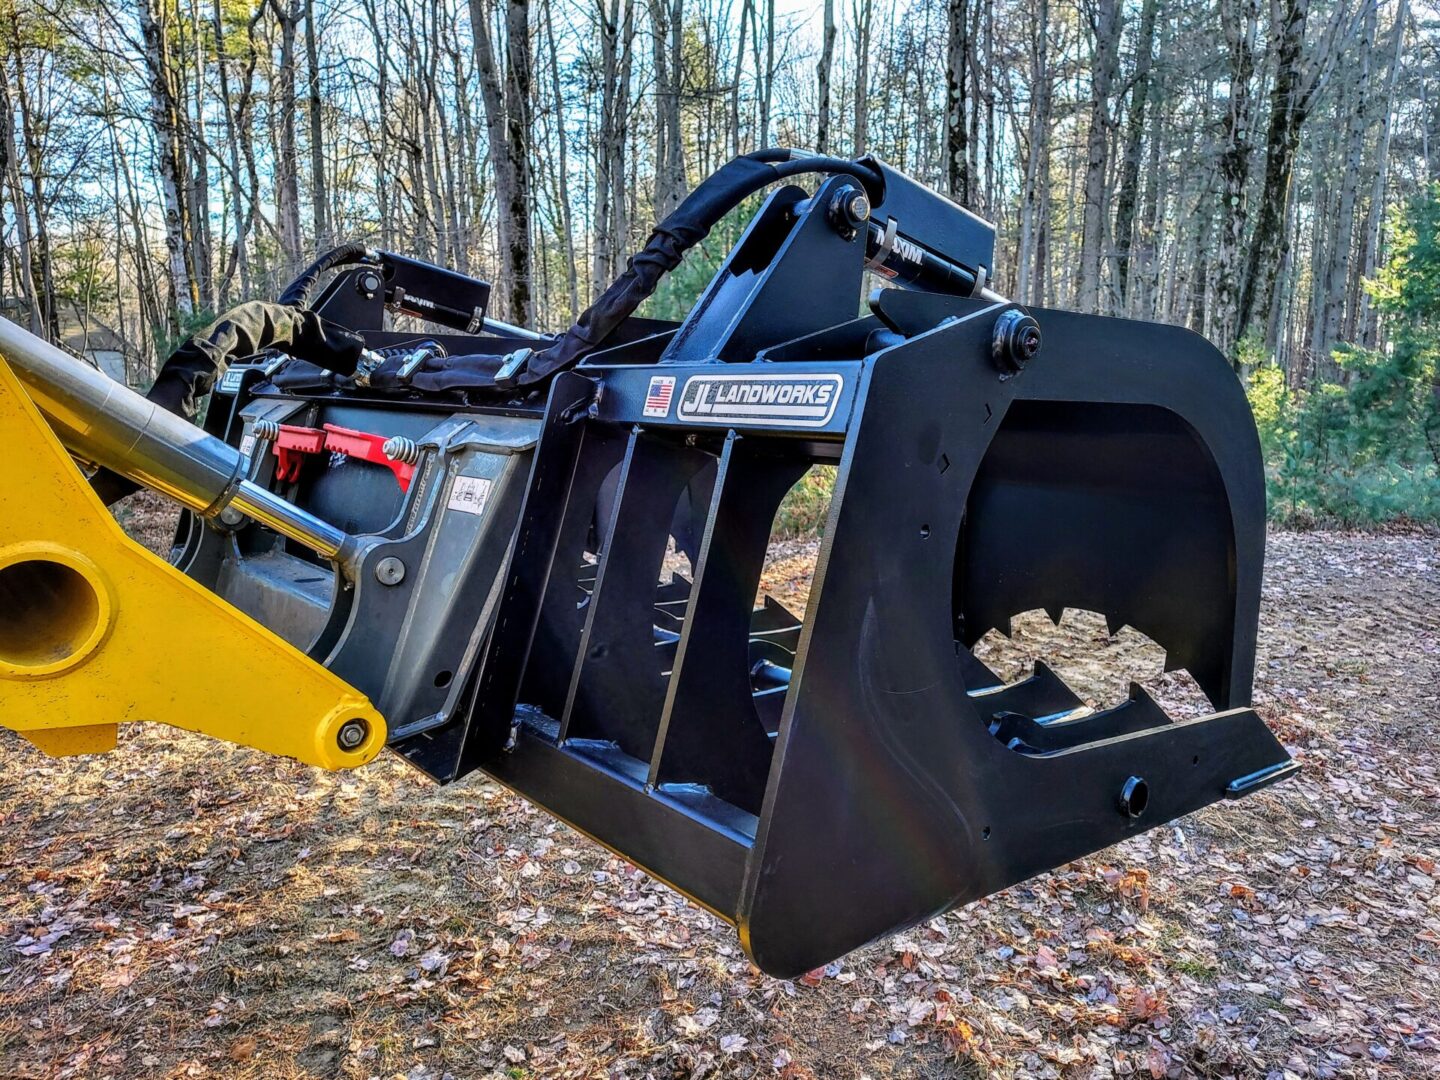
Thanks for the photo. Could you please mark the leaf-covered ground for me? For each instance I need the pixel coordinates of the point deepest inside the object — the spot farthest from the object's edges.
(185, 908)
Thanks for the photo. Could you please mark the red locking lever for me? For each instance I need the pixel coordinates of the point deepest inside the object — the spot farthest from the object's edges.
(367, 447)
(292, 444)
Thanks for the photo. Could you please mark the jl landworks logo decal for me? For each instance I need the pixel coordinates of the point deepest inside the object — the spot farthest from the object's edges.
(761, 400)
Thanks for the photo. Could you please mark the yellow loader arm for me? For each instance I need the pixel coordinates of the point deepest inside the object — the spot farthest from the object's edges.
(97, 631)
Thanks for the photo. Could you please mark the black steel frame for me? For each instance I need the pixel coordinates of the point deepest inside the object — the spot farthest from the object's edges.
(822, 782)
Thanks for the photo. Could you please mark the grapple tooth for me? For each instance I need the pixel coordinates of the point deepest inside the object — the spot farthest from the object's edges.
(1114, 624)
(1056, 612)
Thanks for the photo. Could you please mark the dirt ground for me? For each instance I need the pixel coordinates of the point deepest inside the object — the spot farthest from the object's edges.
(183, 908)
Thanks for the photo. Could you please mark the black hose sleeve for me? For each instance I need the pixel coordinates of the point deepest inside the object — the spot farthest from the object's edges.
(297, 293)
(682, 229)
(191, 370)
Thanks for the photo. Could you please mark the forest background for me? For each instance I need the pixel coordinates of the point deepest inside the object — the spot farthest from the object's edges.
(1265, 174)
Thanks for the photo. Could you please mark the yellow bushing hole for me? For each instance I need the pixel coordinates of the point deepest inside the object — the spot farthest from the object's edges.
(52, 612)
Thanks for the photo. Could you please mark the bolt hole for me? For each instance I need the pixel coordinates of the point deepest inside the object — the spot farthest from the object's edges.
(924, 532)
(1134, 796)
(442, 678)
(600, 651)
(985, 833)
(50, 612)
(1195, 760)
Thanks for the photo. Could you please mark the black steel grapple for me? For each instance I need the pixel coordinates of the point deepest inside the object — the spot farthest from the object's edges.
(820, 777)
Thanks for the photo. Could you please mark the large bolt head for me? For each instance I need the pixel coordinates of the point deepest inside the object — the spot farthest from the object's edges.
(1016, 341)
(352, 734)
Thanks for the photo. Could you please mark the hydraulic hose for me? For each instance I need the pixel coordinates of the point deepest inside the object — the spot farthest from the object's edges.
(298, 293)
(682, 229)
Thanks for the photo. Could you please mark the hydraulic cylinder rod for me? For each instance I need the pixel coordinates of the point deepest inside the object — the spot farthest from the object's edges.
(105, 423)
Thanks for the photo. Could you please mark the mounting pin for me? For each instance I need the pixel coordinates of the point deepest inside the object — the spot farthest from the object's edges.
(390, 571)
(353, 734)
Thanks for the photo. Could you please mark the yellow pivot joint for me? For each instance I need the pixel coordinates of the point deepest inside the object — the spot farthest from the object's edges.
(97, 631)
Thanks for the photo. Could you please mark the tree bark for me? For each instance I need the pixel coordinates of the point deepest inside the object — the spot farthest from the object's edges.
(957, 72)
(1105, 18)
(1239, 19)
(185, 294)
(287, 157)
(1130, 166)
(1289, 107)
(1368, 318)
(823, 73)
(863, 13)
(1330, 296)
(319, 193)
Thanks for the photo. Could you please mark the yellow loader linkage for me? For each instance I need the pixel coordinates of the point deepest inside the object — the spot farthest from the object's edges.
(95, 630)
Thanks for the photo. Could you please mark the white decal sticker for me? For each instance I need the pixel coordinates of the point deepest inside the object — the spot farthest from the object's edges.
(761, 400)
(469, 494)
(657, 398)
(247, 444)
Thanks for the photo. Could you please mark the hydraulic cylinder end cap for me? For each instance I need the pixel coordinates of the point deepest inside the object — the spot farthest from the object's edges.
(1016, 341)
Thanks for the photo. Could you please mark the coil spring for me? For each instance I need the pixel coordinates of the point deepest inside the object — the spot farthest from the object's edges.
(399, 448)
(266, 430)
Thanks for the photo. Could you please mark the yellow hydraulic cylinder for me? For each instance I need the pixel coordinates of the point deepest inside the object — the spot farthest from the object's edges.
(95, 630)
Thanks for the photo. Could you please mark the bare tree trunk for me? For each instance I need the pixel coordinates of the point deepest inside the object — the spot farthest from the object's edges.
(863, 12)
(201, 249)
(1239, 19)
(287, 158)
(1331, 292)
(1130, 167)
(668, 40)
(747, 16)
(517, 153)
(1368, 328)
(319, 194)
(507, 122)
(767, 76)
(184, 293)
(1289, 106)
(572, 277)
(25, 261)
(1105, 18)
(1034, 207)
(957, 65)
(616, 33)
(675, 147)
(823, 73)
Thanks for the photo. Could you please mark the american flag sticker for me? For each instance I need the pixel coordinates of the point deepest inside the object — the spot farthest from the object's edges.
(657, 398)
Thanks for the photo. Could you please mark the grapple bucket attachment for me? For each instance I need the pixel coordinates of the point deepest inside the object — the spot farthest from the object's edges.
(478, 553)
(821, 779)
